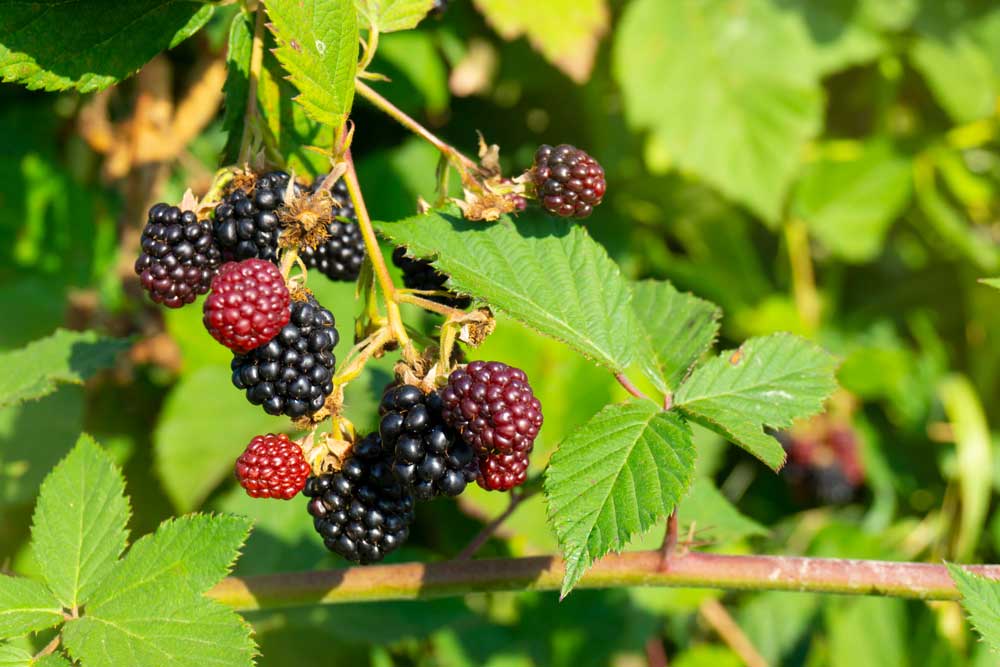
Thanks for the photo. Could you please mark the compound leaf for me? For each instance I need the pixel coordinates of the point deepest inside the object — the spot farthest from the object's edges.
(613, 478)
(768, 382)
(26, 606)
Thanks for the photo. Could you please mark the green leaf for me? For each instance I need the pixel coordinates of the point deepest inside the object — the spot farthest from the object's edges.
(26, 606)
(14, 656)
(705, 85)
(843, 32)
(100, 42)
(769, 381)
(318, 47)
(65, 356)
(79, 525)
(981, 601)
(392, 15)
(613, 478)
(51, 660)
(237, 86)
(565, 32)
(707, 655)
(677, 329)
(868, 632)
(191, 553)
(775, 641)
(197, 440)
(539, 271)
(714, 517)
(849, 205)
(160, 630)
(992, 282)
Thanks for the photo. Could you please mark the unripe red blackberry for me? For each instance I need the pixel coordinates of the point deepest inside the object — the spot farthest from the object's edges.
(292, 374)
(428, 456)
(341, 255)
(419, 274)
(569, 182)
(247, 224)
(502, 471)
(272, 466)
(248, 306)
(492, 406)
(362, 512)
(179, 256)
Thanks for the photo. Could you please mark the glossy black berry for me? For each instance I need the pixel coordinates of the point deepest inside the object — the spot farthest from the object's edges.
(428, 457)
(247, 224)
(362, 512)
(341, 255)
(420, 275)
(569, 182)
(292, 374)
(179, 257)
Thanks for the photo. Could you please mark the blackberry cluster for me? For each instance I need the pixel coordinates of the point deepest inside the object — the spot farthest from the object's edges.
(824, 464)
(179, 256)
(362, 511)
(247, 224)
(428, 457)
(569, 182)
(248, 306)
(421, 275)
(292, 374)
(340, 256)
(272, 466)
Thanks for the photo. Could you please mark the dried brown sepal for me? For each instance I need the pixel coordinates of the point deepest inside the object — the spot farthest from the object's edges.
(300, 293)
(243, 179)
(334, 452)
(476, 326)
(488, 206)
(304, 220)
(489, 158)
(332, 407)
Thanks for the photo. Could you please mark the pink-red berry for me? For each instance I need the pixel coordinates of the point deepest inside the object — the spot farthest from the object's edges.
(500, 471)
(248, 305)
(272, 466)
(568, 181)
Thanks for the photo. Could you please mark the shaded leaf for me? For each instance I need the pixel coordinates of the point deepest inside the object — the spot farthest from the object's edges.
(14, 656)
(613, 478)
(26, 606)
(237, 86)
(539, 271)
(64, 357)
(769, 381)
(79, 524)
(713, 516)
(868, 632)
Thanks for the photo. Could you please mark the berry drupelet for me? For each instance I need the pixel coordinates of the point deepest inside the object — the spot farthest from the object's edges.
(362, 512)
(272, 466)
(292, 374)
(179, 256)
(569, 182)
(502, 471)
(419, 274)
(428, 457)
(340, 256)
(248, 306)
(247, 224)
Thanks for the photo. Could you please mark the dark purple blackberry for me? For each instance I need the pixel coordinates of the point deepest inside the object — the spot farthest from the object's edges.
(293, 373)
(428, 457)
(179, 257)
(501, 471)
(438, 8)
(420, 275)
(247, 224)
(340, 256)
(569, 182)
(362, 512)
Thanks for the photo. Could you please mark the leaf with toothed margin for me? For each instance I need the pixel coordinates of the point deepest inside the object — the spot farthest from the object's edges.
(613, 478)
(543, 272)
(26, 606)
(393, 15)
(768, 382)
(981, 601)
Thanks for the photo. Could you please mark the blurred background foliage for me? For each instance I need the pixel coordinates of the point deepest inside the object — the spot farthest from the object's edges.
(827, 167)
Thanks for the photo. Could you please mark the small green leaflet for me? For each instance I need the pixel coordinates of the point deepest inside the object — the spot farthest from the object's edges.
(392, 15)
(66, 356)
(713, 516)
(13, 656)
(318, 47)
(676, 329)
(26, 606)
(769, 381)
(991, 282)
(549, 275)
(981, 601)
(78, 529)
(236, 88)
(100, 42)
(613, 478)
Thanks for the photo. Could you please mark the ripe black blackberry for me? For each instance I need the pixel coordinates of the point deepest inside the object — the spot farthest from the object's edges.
(340, 256)
(421, 275)
(293, 373)
(247, 224)
(179, 257)
(362, 512)
(569, 182)
(428, 457)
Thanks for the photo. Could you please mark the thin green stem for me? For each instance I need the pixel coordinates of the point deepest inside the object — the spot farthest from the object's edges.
(545, 573)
